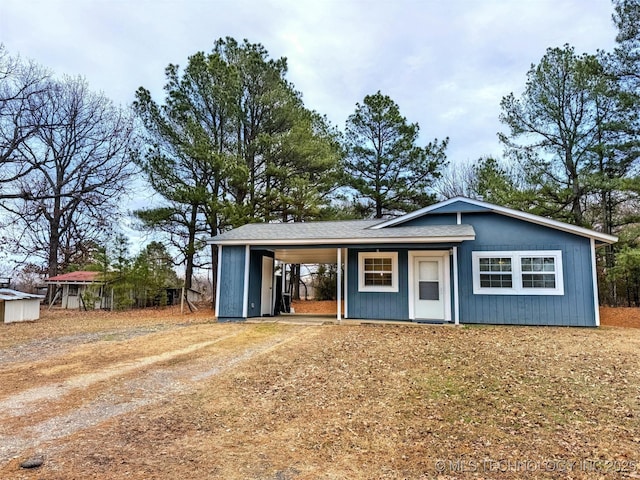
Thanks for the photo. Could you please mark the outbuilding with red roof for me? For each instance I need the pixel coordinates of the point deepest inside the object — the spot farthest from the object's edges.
(70, 288)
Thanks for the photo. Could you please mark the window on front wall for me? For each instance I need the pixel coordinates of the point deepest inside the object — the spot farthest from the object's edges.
(518, 273)
(538, 272)
(495, 272)
(378, 271)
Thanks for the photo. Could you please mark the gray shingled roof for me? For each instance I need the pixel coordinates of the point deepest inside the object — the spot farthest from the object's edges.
(336, 231)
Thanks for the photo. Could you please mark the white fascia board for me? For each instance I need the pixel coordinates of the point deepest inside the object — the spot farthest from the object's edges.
(530, 217)
(346, 241)
(594, 279)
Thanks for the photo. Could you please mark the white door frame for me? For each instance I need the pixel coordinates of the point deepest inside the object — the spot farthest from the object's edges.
(266, 262)
(446, 296)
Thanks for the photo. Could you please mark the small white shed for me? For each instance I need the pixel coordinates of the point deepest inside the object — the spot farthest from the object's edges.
(19, 306)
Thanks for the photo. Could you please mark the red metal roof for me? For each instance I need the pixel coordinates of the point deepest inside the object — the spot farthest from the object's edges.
(75, 277)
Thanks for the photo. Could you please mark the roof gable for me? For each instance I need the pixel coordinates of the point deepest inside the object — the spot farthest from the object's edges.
(459, 206)
(463, 204)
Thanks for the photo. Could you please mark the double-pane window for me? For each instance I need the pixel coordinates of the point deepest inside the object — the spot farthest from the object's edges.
(518, 273)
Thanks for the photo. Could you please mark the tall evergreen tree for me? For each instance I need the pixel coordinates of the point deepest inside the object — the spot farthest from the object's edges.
(627, 19)
(232, 144)
(570, 133)
(386, 168)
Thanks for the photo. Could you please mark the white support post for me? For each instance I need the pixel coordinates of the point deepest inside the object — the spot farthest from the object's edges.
(218, 275)
(456, 298)
(594, 270)
(245, 300)
(345, 281)
(339, 285)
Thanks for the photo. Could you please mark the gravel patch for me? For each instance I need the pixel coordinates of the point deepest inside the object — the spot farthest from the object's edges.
(44, 348)
(151, 384)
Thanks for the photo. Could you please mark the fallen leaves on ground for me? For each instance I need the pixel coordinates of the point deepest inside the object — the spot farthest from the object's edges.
(363, 402)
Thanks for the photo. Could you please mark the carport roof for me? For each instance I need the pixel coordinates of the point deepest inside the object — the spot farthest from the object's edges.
(340, 232)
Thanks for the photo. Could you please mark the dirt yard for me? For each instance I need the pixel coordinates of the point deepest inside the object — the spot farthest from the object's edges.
(159, 395)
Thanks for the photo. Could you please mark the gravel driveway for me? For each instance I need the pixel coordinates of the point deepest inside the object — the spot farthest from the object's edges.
(52, 388)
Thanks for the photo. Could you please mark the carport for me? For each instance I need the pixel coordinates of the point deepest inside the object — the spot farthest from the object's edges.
(308, 256)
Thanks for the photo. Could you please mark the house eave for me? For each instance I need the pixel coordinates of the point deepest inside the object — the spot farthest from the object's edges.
(342, 241)
(72, 282)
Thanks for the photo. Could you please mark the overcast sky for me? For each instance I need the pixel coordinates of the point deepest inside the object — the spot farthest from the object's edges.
(446, 63)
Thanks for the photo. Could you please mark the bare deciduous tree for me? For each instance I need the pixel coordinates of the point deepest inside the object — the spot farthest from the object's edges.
(21, 83)
(76, 167)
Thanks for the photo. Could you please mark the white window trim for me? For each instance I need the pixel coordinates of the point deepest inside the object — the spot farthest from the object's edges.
(516, 273)
(394, 272)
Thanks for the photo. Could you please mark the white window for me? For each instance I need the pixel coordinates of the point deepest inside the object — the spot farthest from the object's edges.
(378, 271)
(518, 273)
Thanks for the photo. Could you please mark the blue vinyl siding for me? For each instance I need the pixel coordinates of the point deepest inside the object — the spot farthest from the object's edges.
(378, 305)
(445, 219)
(231, 283)
(386, 305)
(498, 232)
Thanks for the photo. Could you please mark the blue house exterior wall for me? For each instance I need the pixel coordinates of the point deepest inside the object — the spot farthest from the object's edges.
(435, 219)
(494, 232)
(377, 305)
(231, 283)
(385, 305)
(498, 232)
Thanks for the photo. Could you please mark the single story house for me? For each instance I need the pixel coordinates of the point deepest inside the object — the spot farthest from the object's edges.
(18, 306)
(71, 286)
(462, 261)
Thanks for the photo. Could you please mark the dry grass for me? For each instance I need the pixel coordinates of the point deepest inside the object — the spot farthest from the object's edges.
(609, 316)
(57, 322)
(341, 402)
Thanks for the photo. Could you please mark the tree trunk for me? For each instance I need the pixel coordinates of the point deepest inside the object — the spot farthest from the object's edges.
(295, 282)
(191, 247)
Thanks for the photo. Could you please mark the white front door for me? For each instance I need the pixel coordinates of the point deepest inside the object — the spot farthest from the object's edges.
(266, 307)
(429, 289)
